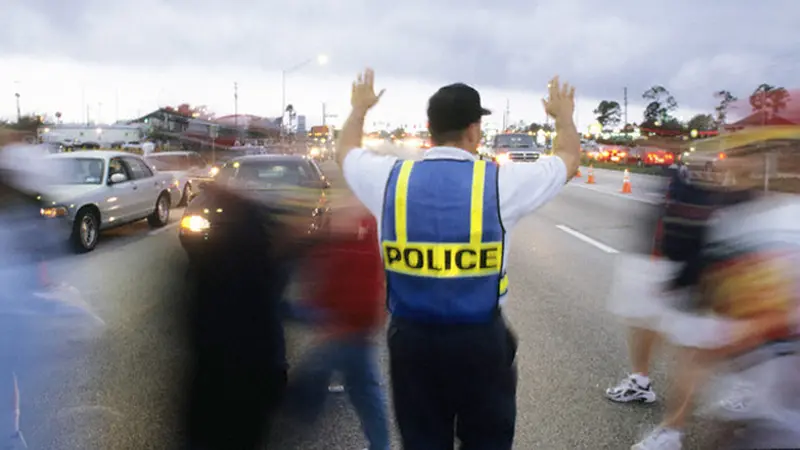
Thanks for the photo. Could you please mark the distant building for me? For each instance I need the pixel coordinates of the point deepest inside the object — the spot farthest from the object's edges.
(97, 136)
(225, 131)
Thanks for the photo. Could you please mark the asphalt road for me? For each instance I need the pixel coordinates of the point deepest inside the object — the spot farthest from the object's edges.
(116, 389)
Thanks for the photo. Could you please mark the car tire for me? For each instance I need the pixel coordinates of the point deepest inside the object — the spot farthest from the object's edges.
(160, 216)
(85, 231)
(186, 196)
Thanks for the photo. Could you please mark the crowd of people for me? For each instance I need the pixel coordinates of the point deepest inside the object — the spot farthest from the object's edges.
(420, 249)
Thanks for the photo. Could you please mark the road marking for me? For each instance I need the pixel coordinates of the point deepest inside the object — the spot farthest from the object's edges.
(616, 194)
(164, 228)
(587, 239)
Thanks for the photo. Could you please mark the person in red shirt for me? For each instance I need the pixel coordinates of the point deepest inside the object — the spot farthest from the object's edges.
(346, 297)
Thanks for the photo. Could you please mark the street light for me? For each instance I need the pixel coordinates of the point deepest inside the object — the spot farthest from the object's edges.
(319, 59)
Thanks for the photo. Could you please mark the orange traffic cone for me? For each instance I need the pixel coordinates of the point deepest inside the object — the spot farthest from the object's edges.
(626, 182)
(578, 173)
(590, 177)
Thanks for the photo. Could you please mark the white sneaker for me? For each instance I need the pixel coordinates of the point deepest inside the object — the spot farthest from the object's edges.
(661, 439)
(628, 390)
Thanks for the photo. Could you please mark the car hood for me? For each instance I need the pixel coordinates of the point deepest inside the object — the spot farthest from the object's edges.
(295, 200)
(61, 193)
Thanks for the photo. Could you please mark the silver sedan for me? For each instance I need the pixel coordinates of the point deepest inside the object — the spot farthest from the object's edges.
(95, 190)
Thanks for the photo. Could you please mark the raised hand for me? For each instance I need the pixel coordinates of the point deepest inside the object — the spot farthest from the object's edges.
(560, 102)
(363, 96)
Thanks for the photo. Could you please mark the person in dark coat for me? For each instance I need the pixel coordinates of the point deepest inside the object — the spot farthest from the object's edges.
(236, 335)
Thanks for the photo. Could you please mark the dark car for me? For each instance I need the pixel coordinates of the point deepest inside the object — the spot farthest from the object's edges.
(291, 183)
(515, 147)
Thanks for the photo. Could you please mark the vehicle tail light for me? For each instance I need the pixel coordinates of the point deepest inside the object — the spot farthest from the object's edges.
(722, 156)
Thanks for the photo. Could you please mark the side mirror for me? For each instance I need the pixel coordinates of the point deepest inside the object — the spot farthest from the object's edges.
(117, 178)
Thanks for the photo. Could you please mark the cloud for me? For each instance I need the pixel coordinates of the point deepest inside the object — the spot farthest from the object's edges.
(692, 48)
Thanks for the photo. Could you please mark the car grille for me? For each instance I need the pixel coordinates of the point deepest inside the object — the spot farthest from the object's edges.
(524, 156)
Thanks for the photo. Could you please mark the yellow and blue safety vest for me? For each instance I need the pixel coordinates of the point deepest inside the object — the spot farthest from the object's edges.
(442, 241)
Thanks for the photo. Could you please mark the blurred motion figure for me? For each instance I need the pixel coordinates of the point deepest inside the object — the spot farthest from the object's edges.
(348, 303)
(238, 372)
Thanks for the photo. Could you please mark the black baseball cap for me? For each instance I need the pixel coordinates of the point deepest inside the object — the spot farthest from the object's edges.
(454, 107)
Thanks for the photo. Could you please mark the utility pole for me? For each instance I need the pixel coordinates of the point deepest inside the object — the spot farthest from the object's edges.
(625, 103)
(17, 96)
(506, 115)
(236, 105)
(84, 105)
(19, 111)
(325, 115)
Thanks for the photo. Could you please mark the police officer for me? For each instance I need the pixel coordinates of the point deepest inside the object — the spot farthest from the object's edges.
(444, 225)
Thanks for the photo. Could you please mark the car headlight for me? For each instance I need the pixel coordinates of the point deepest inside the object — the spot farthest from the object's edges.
(314, 152)
(195, 223)
(56, 211)
(502, 158)
(214, 171)
(176, 183)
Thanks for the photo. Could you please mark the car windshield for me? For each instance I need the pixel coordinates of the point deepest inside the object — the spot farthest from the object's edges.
(76, 170)
(169, 162)
(269, 174)
(514, 141)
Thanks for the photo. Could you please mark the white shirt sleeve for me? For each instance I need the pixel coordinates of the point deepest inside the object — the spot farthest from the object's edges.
(525, 187)
(367, 174)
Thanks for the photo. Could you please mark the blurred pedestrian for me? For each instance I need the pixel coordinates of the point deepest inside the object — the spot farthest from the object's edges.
(35, 323)
(750, 273)
(676, 237)
(443, 231)
(239, 368)
(347, 299)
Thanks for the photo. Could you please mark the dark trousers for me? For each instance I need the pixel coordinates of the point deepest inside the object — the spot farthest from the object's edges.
(453, 381)
(231, 406)
(356, 359)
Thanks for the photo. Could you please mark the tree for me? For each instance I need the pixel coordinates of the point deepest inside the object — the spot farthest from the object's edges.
(27, 123)
(534, 127)
(702, 122)
(662, 103)
(769, 99)
(608, 113)
(725, 99)
(398, 133)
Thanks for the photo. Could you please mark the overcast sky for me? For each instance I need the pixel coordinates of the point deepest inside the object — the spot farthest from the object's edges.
(123, 58)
